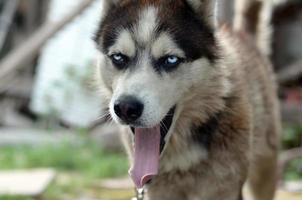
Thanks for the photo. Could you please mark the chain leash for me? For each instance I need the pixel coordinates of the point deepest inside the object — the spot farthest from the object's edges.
(140, 194)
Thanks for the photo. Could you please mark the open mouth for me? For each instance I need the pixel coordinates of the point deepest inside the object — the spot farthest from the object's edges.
(165, 126)
(148, 145)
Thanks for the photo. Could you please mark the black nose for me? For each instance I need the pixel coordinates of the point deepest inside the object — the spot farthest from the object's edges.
(128, 109)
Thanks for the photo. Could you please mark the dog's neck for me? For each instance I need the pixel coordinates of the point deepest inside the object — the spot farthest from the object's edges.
(203, 134)
(192, 142)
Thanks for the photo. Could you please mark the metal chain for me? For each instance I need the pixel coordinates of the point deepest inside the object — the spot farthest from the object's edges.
(140, 194)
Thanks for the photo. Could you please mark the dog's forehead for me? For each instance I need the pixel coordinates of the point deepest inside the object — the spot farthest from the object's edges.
(149, 2)
(141, 17)
(148, 19)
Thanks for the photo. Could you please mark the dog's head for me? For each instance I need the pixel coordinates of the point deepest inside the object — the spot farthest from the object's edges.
(154, 54)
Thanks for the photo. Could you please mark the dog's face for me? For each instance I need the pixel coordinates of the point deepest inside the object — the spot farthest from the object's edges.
(152, 53)
(158, 65)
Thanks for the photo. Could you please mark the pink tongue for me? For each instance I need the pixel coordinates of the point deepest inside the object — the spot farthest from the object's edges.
(146, 155)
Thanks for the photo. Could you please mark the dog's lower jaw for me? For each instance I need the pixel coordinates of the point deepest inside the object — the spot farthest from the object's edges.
(184, 159)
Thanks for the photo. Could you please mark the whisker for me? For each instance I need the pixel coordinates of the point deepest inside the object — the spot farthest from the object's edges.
(103, 117)
(163, 126)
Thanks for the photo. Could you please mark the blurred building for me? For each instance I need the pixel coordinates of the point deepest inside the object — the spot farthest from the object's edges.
(63, 86)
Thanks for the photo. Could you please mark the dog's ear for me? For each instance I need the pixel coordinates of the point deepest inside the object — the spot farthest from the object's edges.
(204, 8)
(111, 2)
(107, 4)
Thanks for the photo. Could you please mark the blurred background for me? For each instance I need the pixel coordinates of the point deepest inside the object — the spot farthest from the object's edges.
(55, 143)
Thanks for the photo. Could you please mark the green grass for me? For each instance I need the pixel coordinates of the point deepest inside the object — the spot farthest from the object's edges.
(14, 198)
(78, 165)
(86, 158)
(81, 165)
(294, 170)
(292, 138)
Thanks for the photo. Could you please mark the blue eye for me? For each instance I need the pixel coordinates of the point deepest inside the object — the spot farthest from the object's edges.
(117, 57)
(168, 63)
(172, 60)
(119, 60)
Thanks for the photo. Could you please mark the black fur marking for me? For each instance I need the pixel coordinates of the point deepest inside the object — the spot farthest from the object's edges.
(165, 127)
(204, 133)
(190, 32)
(117, 19)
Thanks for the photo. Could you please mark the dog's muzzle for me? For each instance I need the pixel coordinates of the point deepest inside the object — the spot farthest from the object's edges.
(128, 109)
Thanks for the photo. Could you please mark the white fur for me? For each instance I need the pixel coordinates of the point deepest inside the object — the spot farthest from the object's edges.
(264, 36)
(184, 160)
(164, 45)
(149, 87)
(147, 24)
(124, 44)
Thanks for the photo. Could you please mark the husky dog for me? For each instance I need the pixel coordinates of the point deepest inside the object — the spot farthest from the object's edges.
(197, 103)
